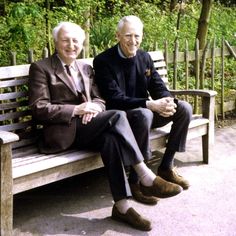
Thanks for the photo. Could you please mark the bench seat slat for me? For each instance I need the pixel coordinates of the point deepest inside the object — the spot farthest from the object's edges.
(53, 174)
(39, 162)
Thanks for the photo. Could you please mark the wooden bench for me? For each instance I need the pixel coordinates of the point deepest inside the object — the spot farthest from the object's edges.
(23, 168)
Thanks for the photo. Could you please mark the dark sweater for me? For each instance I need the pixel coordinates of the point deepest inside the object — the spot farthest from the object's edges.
(129, 70)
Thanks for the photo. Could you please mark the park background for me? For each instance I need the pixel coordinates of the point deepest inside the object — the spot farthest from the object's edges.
(172, 26)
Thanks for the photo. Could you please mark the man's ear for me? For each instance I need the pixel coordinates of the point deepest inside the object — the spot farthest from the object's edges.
(117, 36)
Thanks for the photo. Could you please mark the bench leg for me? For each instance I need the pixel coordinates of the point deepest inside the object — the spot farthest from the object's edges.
(6, 197)
(208, 110)
(205, 148)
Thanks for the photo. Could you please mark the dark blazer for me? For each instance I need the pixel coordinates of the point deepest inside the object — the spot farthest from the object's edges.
(111, 81)
(52, 99)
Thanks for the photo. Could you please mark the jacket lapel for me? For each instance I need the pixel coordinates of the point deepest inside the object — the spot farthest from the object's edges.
(85, 79)
(61, 73)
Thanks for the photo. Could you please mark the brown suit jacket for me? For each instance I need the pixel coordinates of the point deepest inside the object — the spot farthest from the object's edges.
(52, 99)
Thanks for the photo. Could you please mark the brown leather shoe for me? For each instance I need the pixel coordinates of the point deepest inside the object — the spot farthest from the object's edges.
(172, 176)
(132, 218)
(139, 197)
(161, 188)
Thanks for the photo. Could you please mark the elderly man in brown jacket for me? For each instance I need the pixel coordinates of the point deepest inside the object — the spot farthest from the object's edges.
(66, 102)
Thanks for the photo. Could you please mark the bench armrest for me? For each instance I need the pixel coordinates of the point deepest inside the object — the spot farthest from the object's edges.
(208, 100)
(8, 137)
(208, 106)
(198, 92)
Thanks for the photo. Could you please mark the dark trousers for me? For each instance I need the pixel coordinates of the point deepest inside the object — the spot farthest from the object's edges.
(142, 119)
(179, 127)
(110, 134)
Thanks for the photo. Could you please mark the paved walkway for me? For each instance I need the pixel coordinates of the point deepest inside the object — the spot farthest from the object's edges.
(82, 205)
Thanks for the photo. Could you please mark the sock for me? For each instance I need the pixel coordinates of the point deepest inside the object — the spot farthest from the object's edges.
(145, 175)
(122, 205)
(167, 160)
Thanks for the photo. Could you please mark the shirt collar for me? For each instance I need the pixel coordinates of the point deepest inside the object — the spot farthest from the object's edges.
(121, 53)
(72, 65)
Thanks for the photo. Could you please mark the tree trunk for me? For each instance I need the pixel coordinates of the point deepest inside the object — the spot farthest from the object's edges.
(48, 27)
(173, 4)
(203, 22)
(86, 52)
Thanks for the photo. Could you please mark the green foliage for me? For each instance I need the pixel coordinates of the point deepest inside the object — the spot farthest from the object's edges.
(28, 24)
(24, 26)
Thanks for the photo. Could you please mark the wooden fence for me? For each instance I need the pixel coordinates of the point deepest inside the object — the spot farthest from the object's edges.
(192, 69)
(200, 65)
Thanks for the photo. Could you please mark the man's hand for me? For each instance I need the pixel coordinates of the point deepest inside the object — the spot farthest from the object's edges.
(164, 106)
(87, 111)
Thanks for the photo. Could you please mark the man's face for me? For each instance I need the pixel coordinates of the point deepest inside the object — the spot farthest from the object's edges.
(130, 38)
(68, 44)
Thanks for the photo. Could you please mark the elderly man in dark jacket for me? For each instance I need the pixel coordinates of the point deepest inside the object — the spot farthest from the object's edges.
(128, 81)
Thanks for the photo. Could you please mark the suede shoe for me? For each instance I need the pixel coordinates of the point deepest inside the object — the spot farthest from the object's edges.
(132, 218)
(172, 176)
(161, 188)
(139, 197)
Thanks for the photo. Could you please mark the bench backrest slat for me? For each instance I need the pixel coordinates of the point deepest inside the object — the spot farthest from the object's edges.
(26, 142)
(13, 95)
(12, 105)
(14, 71)
(160, 65)
(17, 126)
(14, 115)
(11, 83)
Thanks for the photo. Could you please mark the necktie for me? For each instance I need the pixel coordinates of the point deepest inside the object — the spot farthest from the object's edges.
(68, 70)
(75, 81)
(80, 94)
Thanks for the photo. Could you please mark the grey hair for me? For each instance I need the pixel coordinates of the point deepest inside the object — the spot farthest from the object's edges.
(80, 31)
(129, 19)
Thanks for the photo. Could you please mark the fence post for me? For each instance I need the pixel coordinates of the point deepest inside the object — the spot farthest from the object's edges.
(45, 53)
(203, 66)
(186, 62)
(13, 58)
(175, 64)
(86, 49)
(31, 56)
(213, 64)
(166, 53)
(222, 78)
(196, 67)
(186, 59)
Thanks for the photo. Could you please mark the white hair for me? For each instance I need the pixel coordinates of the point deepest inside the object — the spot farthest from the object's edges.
(130, 19)
(80, 31)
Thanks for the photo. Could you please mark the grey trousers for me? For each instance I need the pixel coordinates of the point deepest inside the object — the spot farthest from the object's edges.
(142, 119)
